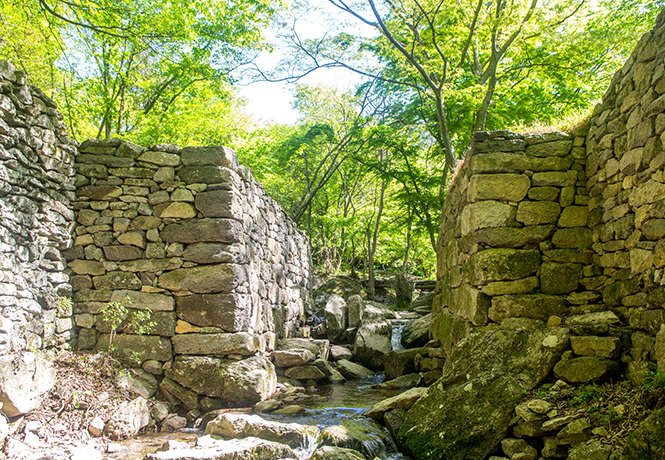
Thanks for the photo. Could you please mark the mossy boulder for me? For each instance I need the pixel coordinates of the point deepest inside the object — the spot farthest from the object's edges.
(467, 412)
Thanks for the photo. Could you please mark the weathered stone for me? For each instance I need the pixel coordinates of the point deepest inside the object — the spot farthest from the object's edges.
(576, 237)
(559, 278)
(307, 372)
(523, 286)
(139, 382)
(534, 306)
(647, 440)
(99, 192)
(219, 203)
(538, 212)
(145, 347)
(336, 315)
(128, 419)
(554, 178)
(403, 400)
(202, 230)
(400, 362)
(338, 352)
(232, 426)
(229, 311)
(206, 175)
(144, 300)
(416, 333)
(215, 253)
(204, 279)
(574, 216)
(236, 383)
(160, 158)
(371, 344)
(122, 253)
(500, 264)
(234, 449)
(25, 380)
(291, 358)
(356, 310)
(604, 347)
(511, 162)
(179, 210)
(503, 187)
(511, 237)
(87, 267)
(239, 343)
(467, 412)
(175, 392)
(557, 148)
(544, 193)
(150, 265)
(585, 369)
(369, 438)
(484, 214)
(593, 451)
(117, 280)
(352, 370)
(336, 453)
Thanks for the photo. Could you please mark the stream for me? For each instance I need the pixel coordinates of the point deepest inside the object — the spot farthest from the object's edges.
(325, 405)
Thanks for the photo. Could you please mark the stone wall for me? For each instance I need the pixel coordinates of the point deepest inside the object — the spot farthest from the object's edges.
(36, 170)
(513, 238)
(191, 235)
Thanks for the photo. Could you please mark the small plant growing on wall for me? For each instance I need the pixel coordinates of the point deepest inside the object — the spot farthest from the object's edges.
(119, 317)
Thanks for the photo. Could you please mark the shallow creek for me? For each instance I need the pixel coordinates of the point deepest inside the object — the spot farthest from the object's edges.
(324, 406)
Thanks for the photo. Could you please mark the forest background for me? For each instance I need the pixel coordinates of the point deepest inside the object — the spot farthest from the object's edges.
(363, 171)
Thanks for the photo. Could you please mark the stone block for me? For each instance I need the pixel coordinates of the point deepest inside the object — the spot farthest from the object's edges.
(554, 178)
(206, 175)
(204, 279)
(117, 253)
(559, 278)
(214, 155)
(179, 210)
(160, 158)
(585, 369)
(240, 343)
(484, 214)
(501, 187)
(87, 267)
(216, 253)
(469, 302)
(150, 265)
(228, 311)
(147, 347)
(99, 192)
(544, 193)
(538, 212)
(559, 148)
(575, 237)
(219, 203)
(203, 230)
(522, 286)
(574, 216)
(534, 306)
(501, 264)
(511, 237)
(144, 300)
(511, 162)
(604, 347)
(116, 281)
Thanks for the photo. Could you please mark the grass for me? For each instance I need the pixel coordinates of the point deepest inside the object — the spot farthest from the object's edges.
(566, 124)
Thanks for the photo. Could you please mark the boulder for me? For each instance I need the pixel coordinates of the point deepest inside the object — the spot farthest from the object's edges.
(234, 449)
(343, 286)
(332, 374)
(139, 382)
(309, 372)
(365, 436)
(595, 450)
(468, 411)
(336, 453)
(372, 343)
(128, 419)
(338, 352)
(291, 358)
(416, 333)
(403, 292)
(236, 383)
(585, 369)
(234, 426)
(648, 441)
(403, 382)
(320, 348)
(400, 362)
(25, 380)
(356, 306)
(352, 370)
(404, 400)
(336, 315)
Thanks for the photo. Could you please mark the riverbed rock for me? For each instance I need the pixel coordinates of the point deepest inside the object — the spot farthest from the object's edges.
(584, 369)
(25, 380)
(139, 382)
(403, 382)
(404, 400)
(320, 348)
(400, 362)
(356, 306)
(338, 352)
(128, 419)
(336, 453)
(372, 343)
(235, 449)
(236, 426)
(416, 333)
(309, 372)
(648, 441)
(351, 370)
(336, 315)
(467, 412)
(365, 436)
(236, 383)
(294, 357)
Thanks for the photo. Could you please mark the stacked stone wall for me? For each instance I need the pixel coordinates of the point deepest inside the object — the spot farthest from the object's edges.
(513, 238)
(191, 235)
(36, 189)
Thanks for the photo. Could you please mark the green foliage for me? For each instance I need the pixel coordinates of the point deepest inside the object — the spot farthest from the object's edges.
(119, 317)
(65, 306)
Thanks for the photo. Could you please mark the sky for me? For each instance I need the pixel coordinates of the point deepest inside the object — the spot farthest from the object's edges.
(271, 102)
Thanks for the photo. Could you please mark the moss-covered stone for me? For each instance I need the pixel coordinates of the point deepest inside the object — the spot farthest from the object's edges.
(559, 278)
(498, 264)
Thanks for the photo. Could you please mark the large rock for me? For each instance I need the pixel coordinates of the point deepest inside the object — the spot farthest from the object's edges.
(416, 333)
(400, 362)
(372, 343)
(320, 348)
(25, 380)
(341, 285)
(145, 347)
(356, 306)
(585, 369)
(648, 441)
(534, 306)
(234, 449)
(404, 400)
(235, 383)
(219, 203)
(294, 357)
(128, 419)
(467, 412)
(336, 315)
(352, 370)
(336, 453)
(234, 426)
(403, 292)
(366, 436)
(215, 253)
(239, 343)
(500, 264)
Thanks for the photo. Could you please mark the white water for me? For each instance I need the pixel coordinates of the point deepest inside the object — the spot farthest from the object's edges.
(396, 337)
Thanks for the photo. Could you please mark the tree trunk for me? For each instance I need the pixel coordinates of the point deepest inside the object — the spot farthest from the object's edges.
(372, 249)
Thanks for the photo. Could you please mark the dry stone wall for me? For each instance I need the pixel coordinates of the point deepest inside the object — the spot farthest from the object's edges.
(36, 189)
(513, 238)
(191, 235)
